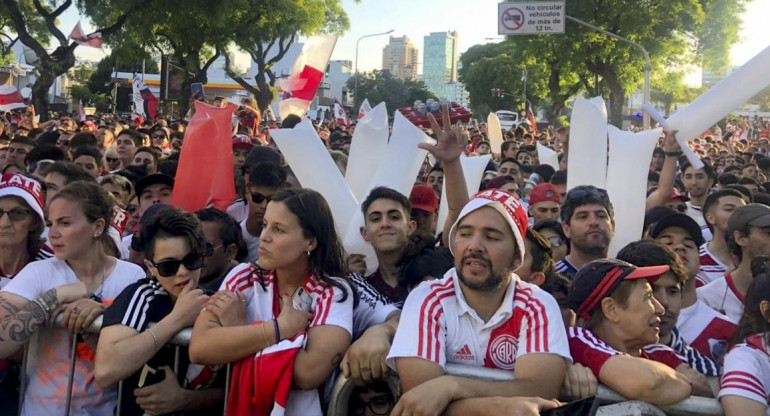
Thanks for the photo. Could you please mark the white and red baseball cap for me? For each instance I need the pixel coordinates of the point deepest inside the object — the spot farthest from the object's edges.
(507, 204)
(28, 189)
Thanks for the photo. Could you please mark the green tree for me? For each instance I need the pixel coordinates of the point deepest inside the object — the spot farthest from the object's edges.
(81, 93)
(674, 32)
(50, 65)
(668, 88)
(268, 32)
(379, 86)
(8, 35)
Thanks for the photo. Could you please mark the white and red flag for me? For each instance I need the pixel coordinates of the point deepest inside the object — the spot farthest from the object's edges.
(365, 108)
(340, 114)
(10, 99)
(531, 119)
(144, 100)
(93, 40)
(301, 86)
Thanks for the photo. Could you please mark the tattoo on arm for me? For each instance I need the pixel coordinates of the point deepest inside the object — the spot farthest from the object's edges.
(22, 323)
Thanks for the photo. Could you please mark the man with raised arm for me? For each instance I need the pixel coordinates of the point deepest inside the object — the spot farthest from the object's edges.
(480, 313)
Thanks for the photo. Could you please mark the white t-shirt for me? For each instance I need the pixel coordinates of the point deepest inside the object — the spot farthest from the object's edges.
(326, 309)
(722, 296)
(252, 243)
(50, 348)
(747, 371)
(696, 213)
(706, 330)
(438, 325)
(239, 210)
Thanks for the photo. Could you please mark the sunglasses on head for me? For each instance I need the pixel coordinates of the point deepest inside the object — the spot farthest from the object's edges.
(15, 214)
(42, 165)
(582, 192)
(556, 241)
(258, 198)
(169, 268)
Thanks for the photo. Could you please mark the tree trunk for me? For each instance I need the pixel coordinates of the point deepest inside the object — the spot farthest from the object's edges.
(265, 95)
(40, 90)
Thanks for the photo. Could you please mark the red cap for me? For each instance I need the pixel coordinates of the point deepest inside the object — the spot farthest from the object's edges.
(675, 194)
(424, 198)
(544, 192)
(242, 140)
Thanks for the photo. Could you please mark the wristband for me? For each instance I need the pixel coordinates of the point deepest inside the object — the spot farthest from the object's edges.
(277, 331)
(673, 154)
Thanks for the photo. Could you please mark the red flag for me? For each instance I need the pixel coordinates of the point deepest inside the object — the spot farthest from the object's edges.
(531, 119)
(10, 98)
(205, 173)
(301, 86)
(144, 100)
(365, 108)
(93, 40)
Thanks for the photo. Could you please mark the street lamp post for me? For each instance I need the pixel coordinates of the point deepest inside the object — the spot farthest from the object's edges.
(647, 66)
(356, 69)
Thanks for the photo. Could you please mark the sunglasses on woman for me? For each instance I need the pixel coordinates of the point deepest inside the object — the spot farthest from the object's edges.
(556, 241)
(15, 214)
(169, 268)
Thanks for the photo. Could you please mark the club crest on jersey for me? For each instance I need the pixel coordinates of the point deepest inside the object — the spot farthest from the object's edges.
(502, 351)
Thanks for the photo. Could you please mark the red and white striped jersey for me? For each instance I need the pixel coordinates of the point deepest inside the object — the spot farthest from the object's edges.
(438, 325)
(262, 303)
(722, 296)
(590, 351)
(747, 371)
(706, 330)
(711, 268)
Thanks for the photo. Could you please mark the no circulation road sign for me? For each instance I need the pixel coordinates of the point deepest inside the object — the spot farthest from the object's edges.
(530, 17)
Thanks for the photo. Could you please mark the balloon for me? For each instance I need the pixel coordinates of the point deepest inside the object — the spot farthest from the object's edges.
(630, 155)
(495, 133)
(370, 141)
(547, 156)
(587, 164)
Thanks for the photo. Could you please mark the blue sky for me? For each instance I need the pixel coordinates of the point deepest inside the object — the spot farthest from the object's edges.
(474, 20)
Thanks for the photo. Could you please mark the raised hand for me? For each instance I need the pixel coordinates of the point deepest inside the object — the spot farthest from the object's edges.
(451, 144)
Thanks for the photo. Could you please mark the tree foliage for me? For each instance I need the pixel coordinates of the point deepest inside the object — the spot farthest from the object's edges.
(674, 32)
(379, 86)
(50, 65)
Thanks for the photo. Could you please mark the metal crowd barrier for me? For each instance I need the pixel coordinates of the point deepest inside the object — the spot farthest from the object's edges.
(344, 387)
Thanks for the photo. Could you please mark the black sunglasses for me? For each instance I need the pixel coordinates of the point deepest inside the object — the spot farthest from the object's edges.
(168, 268)
(258, 198)
(15, 214)
(111, 159)
(209, 248)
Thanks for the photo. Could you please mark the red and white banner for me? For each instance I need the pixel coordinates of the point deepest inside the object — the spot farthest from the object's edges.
(145, 102)
(10, 98)
(93, 40)
(365, 108)
(301, 86)
(531, 119)
(340, 114)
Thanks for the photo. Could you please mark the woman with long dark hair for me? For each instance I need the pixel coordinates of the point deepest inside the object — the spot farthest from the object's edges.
(129, 348)
(78, 283)
(286, 321)
(745, 384)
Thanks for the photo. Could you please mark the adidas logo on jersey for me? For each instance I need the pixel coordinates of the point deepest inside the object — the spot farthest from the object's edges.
(464, 354)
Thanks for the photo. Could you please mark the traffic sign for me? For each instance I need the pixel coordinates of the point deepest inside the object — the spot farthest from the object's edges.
(530, 18)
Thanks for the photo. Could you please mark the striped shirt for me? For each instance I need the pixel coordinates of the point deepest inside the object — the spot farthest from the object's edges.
(590, 351)
(438, 325)
(695, 359)
(711, 268)
(373, 308)
(747, 371)
(566, 268)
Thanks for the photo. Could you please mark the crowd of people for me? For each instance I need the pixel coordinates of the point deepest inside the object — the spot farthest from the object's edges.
(518, 278)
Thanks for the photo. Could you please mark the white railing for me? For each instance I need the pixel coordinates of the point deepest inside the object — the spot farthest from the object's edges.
(343, 388)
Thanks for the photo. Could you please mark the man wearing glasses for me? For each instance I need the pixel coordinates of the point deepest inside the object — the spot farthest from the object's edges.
(588, 222)
(224, 248)
(265, 180)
